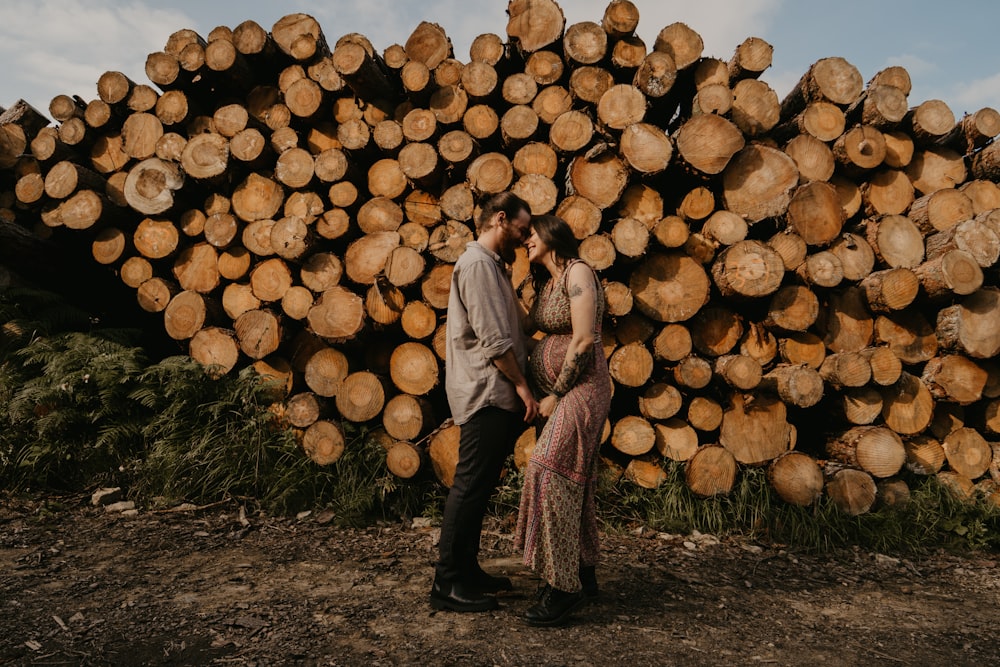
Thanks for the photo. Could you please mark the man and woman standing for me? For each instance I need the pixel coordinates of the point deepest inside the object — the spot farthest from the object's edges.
(491, 398)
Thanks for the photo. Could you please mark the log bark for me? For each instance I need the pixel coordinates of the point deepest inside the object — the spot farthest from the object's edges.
(985, 164)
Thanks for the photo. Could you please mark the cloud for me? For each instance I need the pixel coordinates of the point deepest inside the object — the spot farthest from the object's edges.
(914, 64)
(51, 47)
(970, 96)
(781, 81)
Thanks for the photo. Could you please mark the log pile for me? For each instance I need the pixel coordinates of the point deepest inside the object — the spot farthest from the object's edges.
(807, 284)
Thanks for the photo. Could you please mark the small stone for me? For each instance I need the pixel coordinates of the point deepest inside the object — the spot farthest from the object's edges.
(120, 506)
(886, 560)
(106, 496)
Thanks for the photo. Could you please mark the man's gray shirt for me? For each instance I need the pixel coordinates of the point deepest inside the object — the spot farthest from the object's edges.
(483, 323)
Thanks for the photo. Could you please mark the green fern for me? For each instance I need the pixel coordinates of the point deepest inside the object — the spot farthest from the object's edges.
(60, 392)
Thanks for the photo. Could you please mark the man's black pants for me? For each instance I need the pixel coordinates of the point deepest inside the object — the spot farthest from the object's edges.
(486, 441)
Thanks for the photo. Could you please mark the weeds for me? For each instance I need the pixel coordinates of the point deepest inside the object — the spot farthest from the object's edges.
(933, 516)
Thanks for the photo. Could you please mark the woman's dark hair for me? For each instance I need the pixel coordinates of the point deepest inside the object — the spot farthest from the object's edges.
(558, 236)
(508, 202)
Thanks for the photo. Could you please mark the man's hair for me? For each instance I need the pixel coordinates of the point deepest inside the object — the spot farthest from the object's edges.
(508, 202)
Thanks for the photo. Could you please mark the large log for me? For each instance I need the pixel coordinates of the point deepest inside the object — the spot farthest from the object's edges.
(797, 478)
(829, 79)
(669, 287)
(874, 449)
(852, 491)
(710, 471)
(758, 183)
(755, 432)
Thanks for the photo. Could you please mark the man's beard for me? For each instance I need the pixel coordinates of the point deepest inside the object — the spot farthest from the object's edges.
(508, 253)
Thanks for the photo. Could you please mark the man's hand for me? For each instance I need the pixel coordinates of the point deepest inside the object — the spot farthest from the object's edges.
(530, 404)
(548, 405)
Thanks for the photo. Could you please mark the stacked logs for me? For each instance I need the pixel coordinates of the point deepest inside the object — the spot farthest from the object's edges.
(807, 284)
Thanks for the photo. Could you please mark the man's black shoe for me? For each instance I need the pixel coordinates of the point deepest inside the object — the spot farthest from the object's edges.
(458, 597)
(588, 578)
(554, 608)
(487, 583)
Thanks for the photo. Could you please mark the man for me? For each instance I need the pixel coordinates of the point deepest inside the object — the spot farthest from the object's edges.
(488, 395)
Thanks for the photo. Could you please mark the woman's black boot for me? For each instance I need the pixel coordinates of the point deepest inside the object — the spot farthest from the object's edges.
(554, 607)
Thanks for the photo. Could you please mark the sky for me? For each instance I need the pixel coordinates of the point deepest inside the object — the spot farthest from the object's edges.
(52, 47)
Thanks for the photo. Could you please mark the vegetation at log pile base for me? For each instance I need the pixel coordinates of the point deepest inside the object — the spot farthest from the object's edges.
(85, 408)
(934, 516)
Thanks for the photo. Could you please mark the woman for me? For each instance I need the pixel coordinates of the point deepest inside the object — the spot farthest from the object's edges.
(557, 522)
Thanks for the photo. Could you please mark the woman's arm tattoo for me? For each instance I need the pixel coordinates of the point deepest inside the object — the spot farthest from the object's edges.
(571, 371)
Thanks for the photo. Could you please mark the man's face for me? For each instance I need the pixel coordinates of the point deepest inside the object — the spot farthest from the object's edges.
(513, 233)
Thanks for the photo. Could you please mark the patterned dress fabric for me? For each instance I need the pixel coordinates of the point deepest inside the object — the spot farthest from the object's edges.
(557, 522)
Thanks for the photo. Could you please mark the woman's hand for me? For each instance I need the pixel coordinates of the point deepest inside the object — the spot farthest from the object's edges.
(547, 405)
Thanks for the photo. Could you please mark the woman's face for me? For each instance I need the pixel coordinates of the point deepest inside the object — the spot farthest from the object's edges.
(536, 247)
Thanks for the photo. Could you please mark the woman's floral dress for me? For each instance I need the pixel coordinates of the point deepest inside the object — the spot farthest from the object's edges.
(557, 522)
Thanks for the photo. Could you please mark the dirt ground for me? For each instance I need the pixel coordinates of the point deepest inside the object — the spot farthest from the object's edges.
(80, 586)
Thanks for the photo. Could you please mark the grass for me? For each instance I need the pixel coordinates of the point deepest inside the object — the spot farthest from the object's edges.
(934, 516)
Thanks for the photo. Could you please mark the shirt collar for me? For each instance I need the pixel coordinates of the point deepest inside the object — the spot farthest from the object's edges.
(496, 258)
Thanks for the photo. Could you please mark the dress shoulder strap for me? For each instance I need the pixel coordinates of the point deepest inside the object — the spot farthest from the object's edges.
(570, 263)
